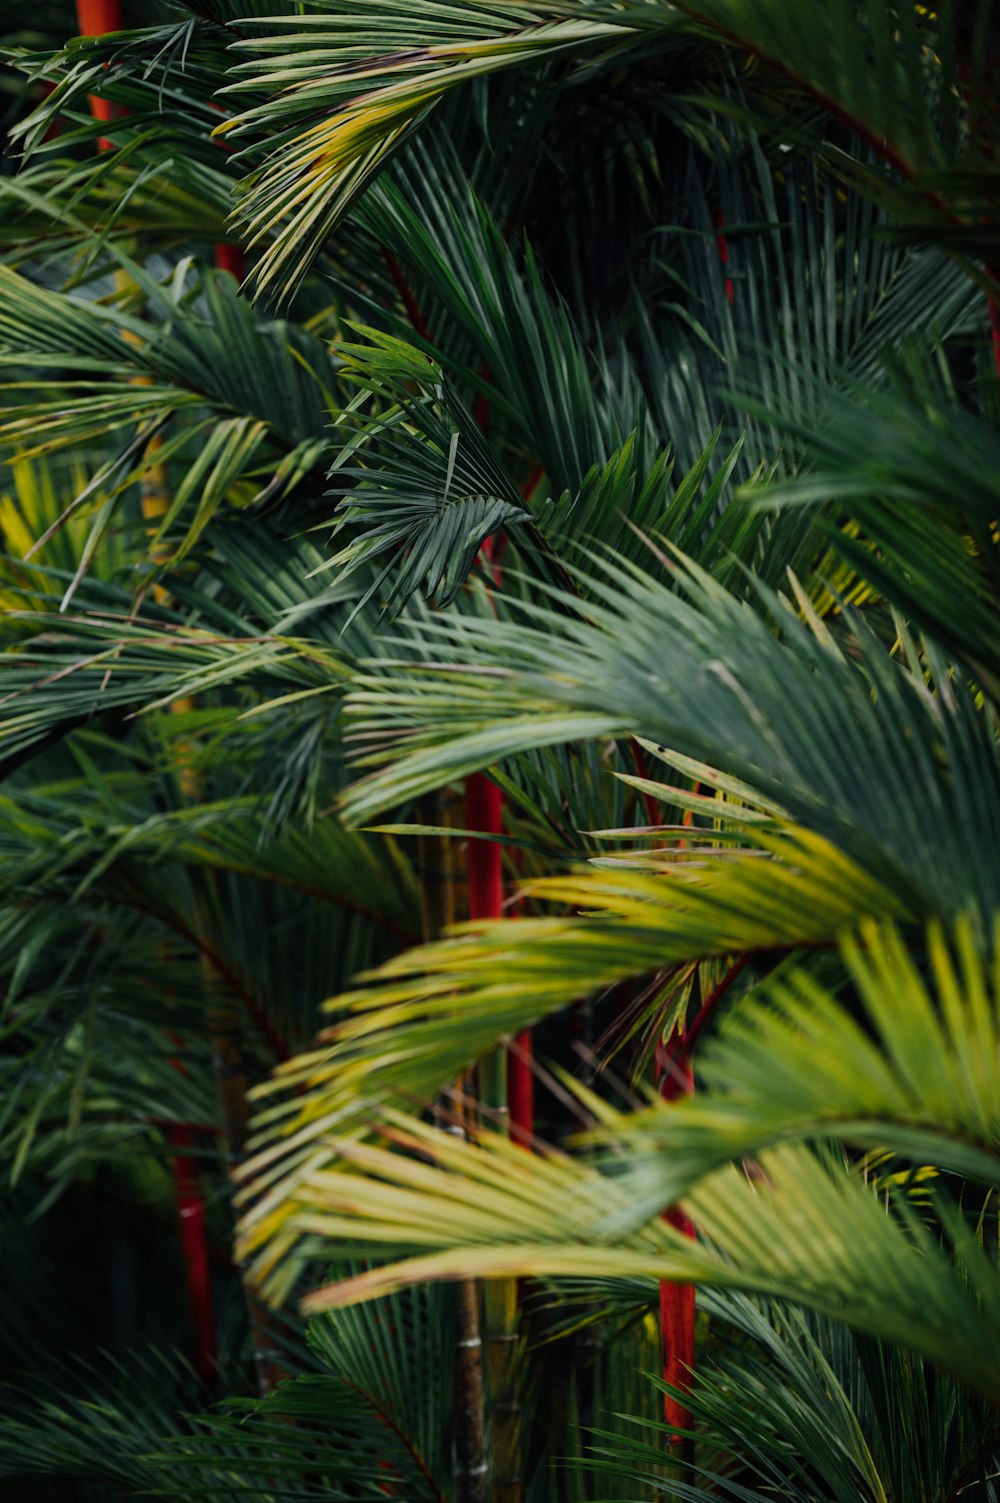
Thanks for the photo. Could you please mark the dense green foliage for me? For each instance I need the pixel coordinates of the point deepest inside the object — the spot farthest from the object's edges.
(610, 407)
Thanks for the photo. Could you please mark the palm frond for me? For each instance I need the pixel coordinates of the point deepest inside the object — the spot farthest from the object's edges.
(453, 1209)
(916, 1054)
(699, 672)
(787, 1403)
(370, 107)
(237, 386)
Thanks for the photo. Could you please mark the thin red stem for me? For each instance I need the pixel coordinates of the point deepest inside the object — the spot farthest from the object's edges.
(652, 808)
(405, 291)
(484, 801)
(687, 1041)
(993, 272)
(229, 258)
(723, 249)
(96, 18)
(194, 1245)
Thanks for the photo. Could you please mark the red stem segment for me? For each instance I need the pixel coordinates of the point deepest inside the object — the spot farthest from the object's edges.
(95, 18)
(484, 866)
(194, 1246)
(676, 1079)
(484, 812)
(677, 1300)
(993, 272)
(229, 258)
(723, 249)
(413, 313)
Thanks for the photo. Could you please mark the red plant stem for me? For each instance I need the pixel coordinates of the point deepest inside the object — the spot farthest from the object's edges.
(482, 406)
(194, 1237)
(484, 811)
(723, 249)
(520, 1075)
(46, 88)
(483, 799)
(95, 18)
(993, 272)
(686, 1043)
(229, 258)
(194, 1245)
(484, 867)
(649, 803)
(405, 291)
(677, 1301)
(674, 1079)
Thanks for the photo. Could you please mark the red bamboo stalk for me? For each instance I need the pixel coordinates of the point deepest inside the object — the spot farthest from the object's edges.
(194, 1246)
(194, 1239)
(676, 1078)
(723, 249)
(677, 1300)
(484, 869)
(95, 18)
(484, 812)
(229, 258)
(413, 313)
(993, 272)
(521, 1089)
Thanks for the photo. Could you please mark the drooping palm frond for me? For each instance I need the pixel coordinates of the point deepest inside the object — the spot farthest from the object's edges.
(253, 399)
(73, 834)
(106, 1433)
(421, 482)
(178, 739)
(152, 190)
(423, 52)
(787, 1403)
(66, 673)
(563, 399)
(397, 1204)
(426, 487)
(450, 1208)
(932, 136)
(372, 1405)
(380, 97)
(767, 257)
(171, 69)
(703, 674)
(916, 1054)
(97, 1061)
(375, 1414)
(435, 1010)
(913, 469)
